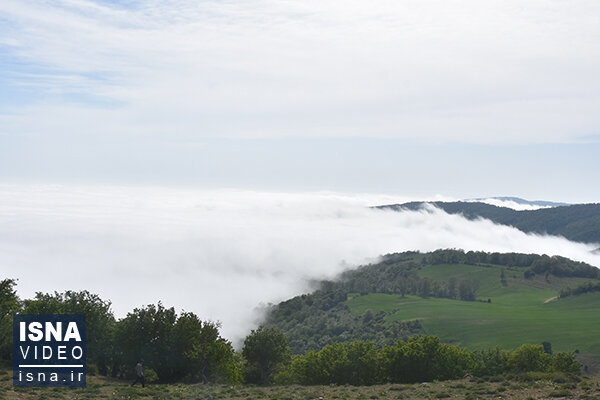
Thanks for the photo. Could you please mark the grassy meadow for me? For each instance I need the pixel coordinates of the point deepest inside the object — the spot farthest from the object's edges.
(521, 311)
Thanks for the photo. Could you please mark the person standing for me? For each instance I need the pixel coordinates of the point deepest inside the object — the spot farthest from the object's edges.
(139, 375)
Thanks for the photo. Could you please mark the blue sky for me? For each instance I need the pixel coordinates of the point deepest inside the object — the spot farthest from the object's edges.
(193, 147)
(462, 98)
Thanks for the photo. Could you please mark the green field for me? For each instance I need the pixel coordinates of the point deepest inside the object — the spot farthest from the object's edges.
(520, 312)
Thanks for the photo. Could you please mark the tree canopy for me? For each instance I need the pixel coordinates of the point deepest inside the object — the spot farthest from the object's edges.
(266, 352)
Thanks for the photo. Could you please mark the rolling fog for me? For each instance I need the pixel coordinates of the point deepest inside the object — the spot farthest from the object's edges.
(220, 253)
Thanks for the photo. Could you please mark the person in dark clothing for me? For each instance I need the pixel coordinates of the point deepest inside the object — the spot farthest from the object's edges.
(139, 375)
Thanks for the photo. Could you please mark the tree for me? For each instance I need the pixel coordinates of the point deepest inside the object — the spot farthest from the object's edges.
(354, 363)
(174, 347)
(205, 353)
(425, 358)
(424, 288)
(266, 350)
(490, 362)
(467, 290)
(9, 305)
(9, 302)
(529, 357)
(503, 277)
(452, 283)
(145, 333)
(565, 362)
(99, 319)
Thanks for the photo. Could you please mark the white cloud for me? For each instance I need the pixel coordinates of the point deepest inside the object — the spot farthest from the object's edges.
(435, 70)
(510, 204)
(220, 253)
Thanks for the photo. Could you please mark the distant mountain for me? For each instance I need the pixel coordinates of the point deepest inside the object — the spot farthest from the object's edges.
(506, 201)
(578, 222)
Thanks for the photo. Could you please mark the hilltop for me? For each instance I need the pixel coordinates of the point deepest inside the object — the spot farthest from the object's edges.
(578, 222)
(475, 300)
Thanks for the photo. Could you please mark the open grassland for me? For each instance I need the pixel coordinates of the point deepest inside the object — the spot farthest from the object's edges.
(520, 311)
(528, 386)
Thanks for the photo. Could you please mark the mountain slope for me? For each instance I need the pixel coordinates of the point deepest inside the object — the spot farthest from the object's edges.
(514, 301)
(579, 222)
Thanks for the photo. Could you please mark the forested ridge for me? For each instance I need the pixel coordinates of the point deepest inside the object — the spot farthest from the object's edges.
(578, 222)
(312, 321)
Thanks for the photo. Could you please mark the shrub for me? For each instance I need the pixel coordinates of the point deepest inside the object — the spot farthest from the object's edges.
(565, 362)
(529, 357)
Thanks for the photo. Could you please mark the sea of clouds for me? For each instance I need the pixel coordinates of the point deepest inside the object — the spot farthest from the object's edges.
(221, 253)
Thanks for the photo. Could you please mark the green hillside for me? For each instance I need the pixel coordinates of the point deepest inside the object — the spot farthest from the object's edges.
(578, 222)
(512, 304)
(568, 325)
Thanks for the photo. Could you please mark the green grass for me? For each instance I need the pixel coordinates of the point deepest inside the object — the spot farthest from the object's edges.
(544, 386)
(517, 313)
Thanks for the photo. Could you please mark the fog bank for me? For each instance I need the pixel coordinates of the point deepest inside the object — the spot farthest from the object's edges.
(221, 253)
